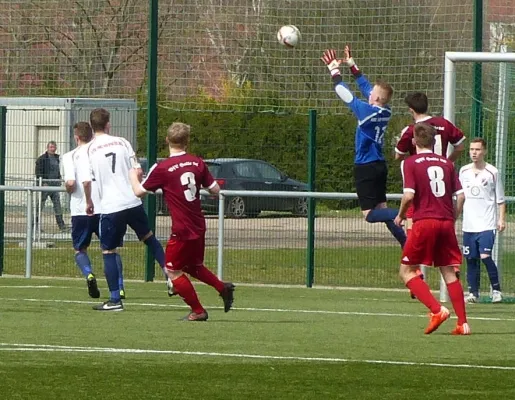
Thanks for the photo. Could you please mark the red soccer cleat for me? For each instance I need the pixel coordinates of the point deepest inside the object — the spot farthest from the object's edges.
(435, 320)
(461, 329)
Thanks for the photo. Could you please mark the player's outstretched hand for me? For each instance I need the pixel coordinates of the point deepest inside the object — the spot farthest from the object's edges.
(333, 64)
(398, 221)
(347, 55)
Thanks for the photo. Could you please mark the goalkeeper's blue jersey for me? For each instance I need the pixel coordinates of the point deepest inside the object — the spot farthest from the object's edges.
(372, 122)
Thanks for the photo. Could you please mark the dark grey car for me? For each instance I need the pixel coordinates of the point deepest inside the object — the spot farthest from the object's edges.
(248, 174)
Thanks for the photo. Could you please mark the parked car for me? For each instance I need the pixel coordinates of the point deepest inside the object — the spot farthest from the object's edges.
(248, 174)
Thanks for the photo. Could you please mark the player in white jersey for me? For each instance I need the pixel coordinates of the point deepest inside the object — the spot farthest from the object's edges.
(110, 160)
(484, 194)
(83, 225)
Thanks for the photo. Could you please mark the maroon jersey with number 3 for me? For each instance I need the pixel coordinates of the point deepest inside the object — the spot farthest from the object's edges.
(433, 180)
(446, 133)
(180, 177)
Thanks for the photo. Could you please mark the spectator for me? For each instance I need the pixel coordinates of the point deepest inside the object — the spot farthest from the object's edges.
(48, 169)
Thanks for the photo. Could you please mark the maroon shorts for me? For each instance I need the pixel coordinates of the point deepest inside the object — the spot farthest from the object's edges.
(432, 242)
(181, 254)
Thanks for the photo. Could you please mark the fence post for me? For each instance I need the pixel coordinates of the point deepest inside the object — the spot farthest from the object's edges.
(28, 242)
(3, 140)
(477, 82)
(152, 125)
(221, 220)
(310, 248)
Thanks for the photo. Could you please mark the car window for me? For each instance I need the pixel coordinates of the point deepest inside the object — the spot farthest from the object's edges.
(214, 169)
(246, 170)
(268, 172)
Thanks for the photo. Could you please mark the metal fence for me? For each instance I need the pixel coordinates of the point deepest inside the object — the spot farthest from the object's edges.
(338, 249)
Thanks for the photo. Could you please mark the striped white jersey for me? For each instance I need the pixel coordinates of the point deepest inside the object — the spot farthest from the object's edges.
(483, 192)
(71, 162)
(110, 159)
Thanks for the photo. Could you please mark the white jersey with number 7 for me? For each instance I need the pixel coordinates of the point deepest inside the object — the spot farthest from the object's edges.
(110, 159)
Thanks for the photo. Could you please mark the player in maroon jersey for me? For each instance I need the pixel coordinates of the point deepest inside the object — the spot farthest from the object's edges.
(430, 182)
(180, 177)
(446, 134)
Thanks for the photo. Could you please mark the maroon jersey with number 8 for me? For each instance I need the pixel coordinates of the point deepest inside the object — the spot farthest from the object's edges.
(433, 180)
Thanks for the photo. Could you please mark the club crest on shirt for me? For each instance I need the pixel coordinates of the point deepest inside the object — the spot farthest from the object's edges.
(474, 190)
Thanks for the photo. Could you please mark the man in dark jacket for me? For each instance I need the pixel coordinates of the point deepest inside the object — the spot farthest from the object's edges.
(48, 169)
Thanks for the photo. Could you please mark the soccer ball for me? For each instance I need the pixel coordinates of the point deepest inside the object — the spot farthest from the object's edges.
(289, 36)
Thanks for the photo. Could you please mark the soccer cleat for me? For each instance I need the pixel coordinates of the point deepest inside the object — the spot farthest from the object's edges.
(461, 329)
(122, 294)
(194, 317)
(496, 296)
(170, 288)
(435, 320)
(93, 287)
(471, 299)
(109, 306)
(228, 296)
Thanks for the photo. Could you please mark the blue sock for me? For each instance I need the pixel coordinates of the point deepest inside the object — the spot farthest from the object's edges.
(473, 275)
(157, 251)
(82, 261)
(397, 232)
(381, 215)
(111, 273)
(493, 273)
(120, 272)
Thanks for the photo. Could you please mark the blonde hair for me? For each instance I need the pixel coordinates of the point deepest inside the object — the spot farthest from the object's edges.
(386, 91)
(178, 135)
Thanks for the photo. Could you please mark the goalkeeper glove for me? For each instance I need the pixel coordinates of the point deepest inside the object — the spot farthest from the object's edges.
(329, 59)
(351, 63)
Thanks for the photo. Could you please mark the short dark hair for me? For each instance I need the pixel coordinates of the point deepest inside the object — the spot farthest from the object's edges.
(99, 118)
(479, 140)
(417, 101)
(424, 135)
(52, 142)
(83, 131)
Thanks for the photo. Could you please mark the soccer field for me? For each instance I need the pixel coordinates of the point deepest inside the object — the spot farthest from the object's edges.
(277, 343)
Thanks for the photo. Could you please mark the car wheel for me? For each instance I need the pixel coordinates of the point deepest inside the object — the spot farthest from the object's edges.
(301, 207)
(236, 207)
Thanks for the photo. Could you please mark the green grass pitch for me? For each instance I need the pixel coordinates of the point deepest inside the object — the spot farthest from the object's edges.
(277, 343)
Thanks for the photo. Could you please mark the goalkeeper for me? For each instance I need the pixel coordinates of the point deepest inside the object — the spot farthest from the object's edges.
(370, 171)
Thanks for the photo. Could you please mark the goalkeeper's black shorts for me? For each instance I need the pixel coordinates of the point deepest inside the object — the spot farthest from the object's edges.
(370, 180)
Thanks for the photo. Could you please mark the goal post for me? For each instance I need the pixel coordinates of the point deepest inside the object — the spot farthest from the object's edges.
(501, 138)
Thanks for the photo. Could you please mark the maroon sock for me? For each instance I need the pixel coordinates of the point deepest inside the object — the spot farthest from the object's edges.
(457, 299)
(183, 286)
(421, 290)
(204, 275)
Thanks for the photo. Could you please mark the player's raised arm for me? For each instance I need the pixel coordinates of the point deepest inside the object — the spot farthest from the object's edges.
(364, 85)
(360, 108)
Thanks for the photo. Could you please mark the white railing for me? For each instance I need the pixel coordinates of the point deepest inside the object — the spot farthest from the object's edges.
(29, 190)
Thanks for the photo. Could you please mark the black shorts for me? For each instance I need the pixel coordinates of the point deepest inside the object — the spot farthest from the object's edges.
(370, 182)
